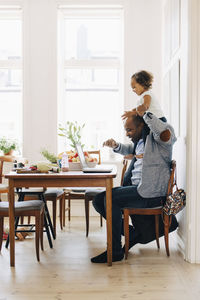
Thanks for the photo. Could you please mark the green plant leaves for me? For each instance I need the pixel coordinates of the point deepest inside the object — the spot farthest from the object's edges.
(72, 132)
(49, 156)
(6, 145)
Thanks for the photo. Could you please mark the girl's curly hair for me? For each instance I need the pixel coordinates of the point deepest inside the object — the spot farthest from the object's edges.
(144, 78)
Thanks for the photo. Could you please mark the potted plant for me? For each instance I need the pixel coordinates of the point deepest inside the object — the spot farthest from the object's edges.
(72, 131)
(8, 145)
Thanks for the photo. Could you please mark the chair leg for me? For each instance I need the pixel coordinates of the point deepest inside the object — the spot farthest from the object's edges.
(47, 216)
(62, 199)
(166, 231)
(157, 230)
(69, 209)
(41, 230)
(8, 238)
(126, 231)
(63, 213)
(1, 231)
(37, 234)
(87, 207)
(54, 204)
(21, 198)
(101, 220)
(47, 230)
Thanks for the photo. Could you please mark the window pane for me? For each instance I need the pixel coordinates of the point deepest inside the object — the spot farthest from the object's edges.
(11, 114)
(10, 39)
(10, 78)
(11, 104)
(88, 38)
(92, 90)
(91, 78)
(98, 110)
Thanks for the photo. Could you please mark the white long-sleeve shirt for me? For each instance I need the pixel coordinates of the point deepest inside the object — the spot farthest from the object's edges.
(137, 171)
(154, 107)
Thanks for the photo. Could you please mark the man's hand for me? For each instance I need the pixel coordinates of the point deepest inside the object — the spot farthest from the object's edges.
(165, 135)
(110, 143)
(128, 114)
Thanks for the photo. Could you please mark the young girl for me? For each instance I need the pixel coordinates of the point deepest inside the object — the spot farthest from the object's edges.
(141, 83)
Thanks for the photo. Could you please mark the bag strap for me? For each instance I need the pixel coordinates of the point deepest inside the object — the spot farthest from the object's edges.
(170, 219)
(172, 181)
(175, 179)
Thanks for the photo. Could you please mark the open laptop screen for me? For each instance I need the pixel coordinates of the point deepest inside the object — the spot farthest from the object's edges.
(81, 156)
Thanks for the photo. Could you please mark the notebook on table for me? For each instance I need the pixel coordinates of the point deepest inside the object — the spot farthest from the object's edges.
(98, 169)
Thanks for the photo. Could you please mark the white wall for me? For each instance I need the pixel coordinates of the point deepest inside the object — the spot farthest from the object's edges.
(176, 55)
(40, 77)
(143, 36)
(193, 134)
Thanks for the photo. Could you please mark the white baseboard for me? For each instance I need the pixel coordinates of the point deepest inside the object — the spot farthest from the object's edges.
(181, 242)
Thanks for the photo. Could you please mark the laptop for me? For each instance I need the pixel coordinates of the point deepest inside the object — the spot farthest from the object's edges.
(85, 168)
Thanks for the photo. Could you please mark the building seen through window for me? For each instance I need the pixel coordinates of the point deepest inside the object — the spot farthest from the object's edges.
(92, 71)
(11, 75)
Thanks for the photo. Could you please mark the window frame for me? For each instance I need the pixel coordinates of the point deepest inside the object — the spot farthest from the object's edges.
(116, 11)
(14, 12)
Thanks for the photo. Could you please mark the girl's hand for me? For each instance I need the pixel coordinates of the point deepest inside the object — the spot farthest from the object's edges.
(129, 156)
(110, 143)
(128, 114)
(141, 110)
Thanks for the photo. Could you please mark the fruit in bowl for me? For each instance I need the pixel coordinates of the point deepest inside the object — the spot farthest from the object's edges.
(74, 162)
(91, 164)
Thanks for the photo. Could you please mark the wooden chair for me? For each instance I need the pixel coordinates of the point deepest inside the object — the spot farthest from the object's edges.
(4, 187)
(90, 194)
(54, 195)
(51, 194)
(79, 193)
(156, 211)
(27, 208)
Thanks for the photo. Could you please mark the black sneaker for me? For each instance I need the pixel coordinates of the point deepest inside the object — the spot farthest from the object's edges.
(102, 258)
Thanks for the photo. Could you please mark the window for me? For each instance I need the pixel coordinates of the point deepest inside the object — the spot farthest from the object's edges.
(11, 73)
(90, 72)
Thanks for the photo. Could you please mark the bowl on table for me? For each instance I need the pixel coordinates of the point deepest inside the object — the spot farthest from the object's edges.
(75, 166)
(91, 164)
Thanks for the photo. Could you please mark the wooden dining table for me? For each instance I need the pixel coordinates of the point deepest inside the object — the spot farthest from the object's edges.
(62, 179)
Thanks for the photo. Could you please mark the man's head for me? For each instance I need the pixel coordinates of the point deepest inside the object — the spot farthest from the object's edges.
(133, 127)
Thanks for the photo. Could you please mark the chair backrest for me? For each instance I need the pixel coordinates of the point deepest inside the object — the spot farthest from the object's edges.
(6, 158)
(172, 178)
(125, 163)
(96, 152)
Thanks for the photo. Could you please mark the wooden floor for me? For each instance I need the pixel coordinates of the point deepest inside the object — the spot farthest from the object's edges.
(65, 272)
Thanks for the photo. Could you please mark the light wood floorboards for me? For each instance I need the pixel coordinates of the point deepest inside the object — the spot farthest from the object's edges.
(65, 272)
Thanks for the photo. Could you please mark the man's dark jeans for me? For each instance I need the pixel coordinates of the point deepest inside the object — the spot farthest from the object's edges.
(123, 196)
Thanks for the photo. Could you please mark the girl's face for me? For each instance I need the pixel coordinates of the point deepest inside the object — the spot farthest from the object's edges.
(136, 87)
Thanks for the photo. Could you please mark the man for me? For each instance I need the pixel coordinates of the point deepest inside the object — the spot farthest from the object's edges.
(146, 181)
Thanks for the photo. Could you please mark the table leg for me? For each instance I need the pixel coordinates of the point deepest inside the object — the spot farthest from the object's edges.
(11, 223)
(109, 185)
